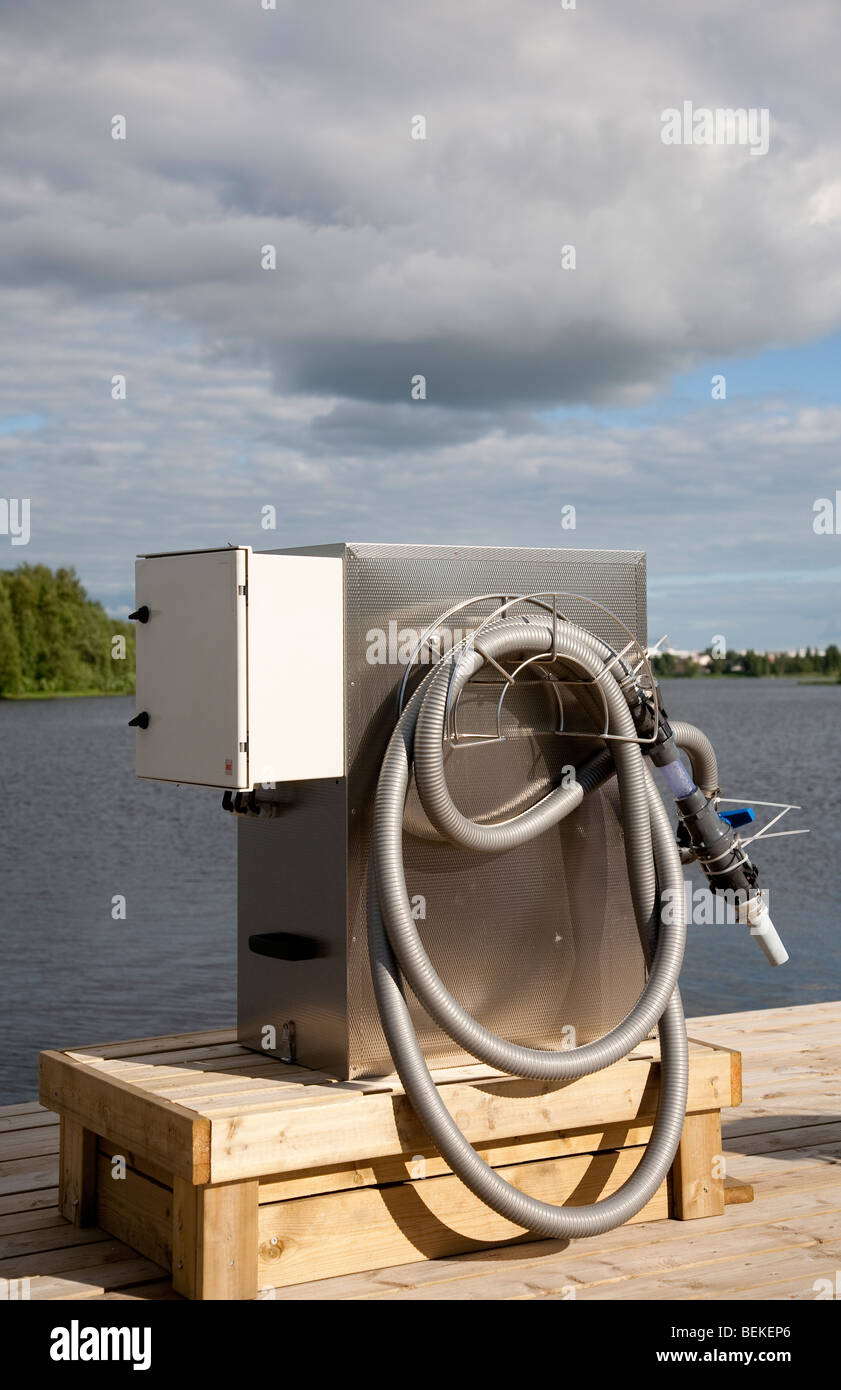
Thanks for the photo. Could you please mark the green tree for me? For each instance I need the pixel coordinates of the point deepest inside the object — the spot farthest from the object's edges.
(755, 663)
(663, 664)
(10, 669)
(62, 639)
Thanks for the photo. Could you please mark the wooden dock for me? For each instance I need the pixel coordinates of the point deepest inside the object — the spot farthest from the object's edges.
(785, 1139)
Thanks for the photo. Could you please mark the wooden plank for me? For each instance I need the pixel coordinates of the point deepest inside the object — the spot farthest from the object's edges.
(159, 1290)
(264, 1143)
(49, 1238)
(802, 1168)
(22, 1109)
(817, 1088)
(202, 1089)
(735, 1128)
(139, 1162)
(736, 1096)
(776, 1291)
(477, 1071)
(178, 1083)
(815, 1096)
(185, 1236)
(136, 1210)
(697, 1172)
(344, 1232)
(737, 1192)
(36, 1117)
(208, 1085)
(29, 1143)
(190, 1085)
(675, 1268)
(22, 1175)
(171, 1056)
(784, 1049)
(619, 1247)
(766, 1020)
(722, 1278)
(90, 1282)
(784, 1056)
(788, 1056)
(37, 1198)
(171, 1134)
(268, 1100)
(239, 1074)
(126, 1047)
(429, 1164)
(767, 1157)
(227, 1251)
(805, 1136)
(816, 1077)
(35, 1220)
(274, 1102)
(77, 1173)
(87, 1254)
(186, 1063)
(824, 1225)
(318, 1087)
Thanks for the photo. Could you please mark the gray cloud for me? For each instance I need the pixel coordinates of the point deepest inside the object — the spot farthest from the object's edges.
(395, 257)
(248, 127)
(201, 446)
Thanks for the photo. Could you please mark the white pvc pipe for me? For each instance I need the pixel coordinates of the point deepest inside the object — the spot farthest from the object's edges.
(755, 913)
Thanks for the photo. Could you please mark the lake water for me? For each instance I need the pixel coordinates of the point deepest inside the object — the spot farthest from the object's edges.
(78, 829)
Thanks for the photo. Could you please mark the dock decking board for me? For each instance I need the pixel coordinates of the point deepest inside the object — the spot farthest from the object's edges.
(785, 1139)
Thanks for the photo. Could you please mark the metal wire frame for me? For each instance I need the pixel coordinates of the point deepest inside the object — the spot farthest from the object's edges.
(762, 834)
(542, 661)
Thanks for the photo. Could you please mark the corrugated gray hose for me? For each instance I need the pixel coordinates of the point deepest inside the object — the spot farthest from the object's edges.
(396, 949)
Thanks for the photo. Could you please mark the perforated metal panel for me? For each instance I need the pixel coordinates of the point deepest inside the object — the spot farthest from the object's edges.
(539, 943)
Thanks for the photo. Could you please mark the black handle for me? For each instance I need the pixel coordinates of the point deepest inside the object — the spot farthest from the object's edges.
(140, 721)
(284, 945)
(140, 615)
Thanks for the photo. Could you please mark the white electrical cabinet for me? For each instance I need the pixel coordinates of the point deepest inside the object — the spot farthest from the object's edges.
(240, 667)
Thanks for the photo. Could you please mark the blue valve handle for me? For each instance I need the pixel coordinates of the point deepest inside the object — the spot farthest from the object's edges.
(742, 815)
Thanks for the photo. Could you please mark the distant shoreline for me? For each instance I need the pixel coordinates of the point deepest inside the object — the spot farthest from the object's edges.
(805, 679)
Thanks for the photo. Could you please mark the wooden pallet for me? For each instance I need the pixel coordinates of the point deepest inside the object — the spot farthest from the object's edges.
(242, 1174)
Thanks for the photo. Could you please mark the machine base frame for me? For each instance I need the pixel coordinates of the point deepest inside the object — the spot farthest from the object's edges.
(242, 1175)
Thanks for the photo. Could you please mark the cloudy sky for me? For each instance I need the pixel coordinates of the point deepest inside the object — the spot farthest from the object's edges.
(546, 385)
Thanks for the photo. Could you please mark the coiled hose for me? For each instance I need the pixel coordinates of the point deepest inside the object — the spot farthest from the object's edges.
(654, 869)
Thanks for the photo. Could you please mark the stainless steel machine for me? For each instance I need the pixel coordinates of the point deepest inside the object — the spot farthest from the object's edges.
(540, 943)
(450, 842)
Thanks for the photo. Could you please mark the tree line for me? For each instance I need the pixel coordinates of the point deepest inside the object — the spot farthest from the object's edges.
(751, 663)
(54, 639)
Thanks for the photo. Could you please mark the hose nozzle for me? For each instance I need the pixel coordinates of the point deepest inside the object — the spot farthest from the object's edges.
(754, 912)
(711, 839)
